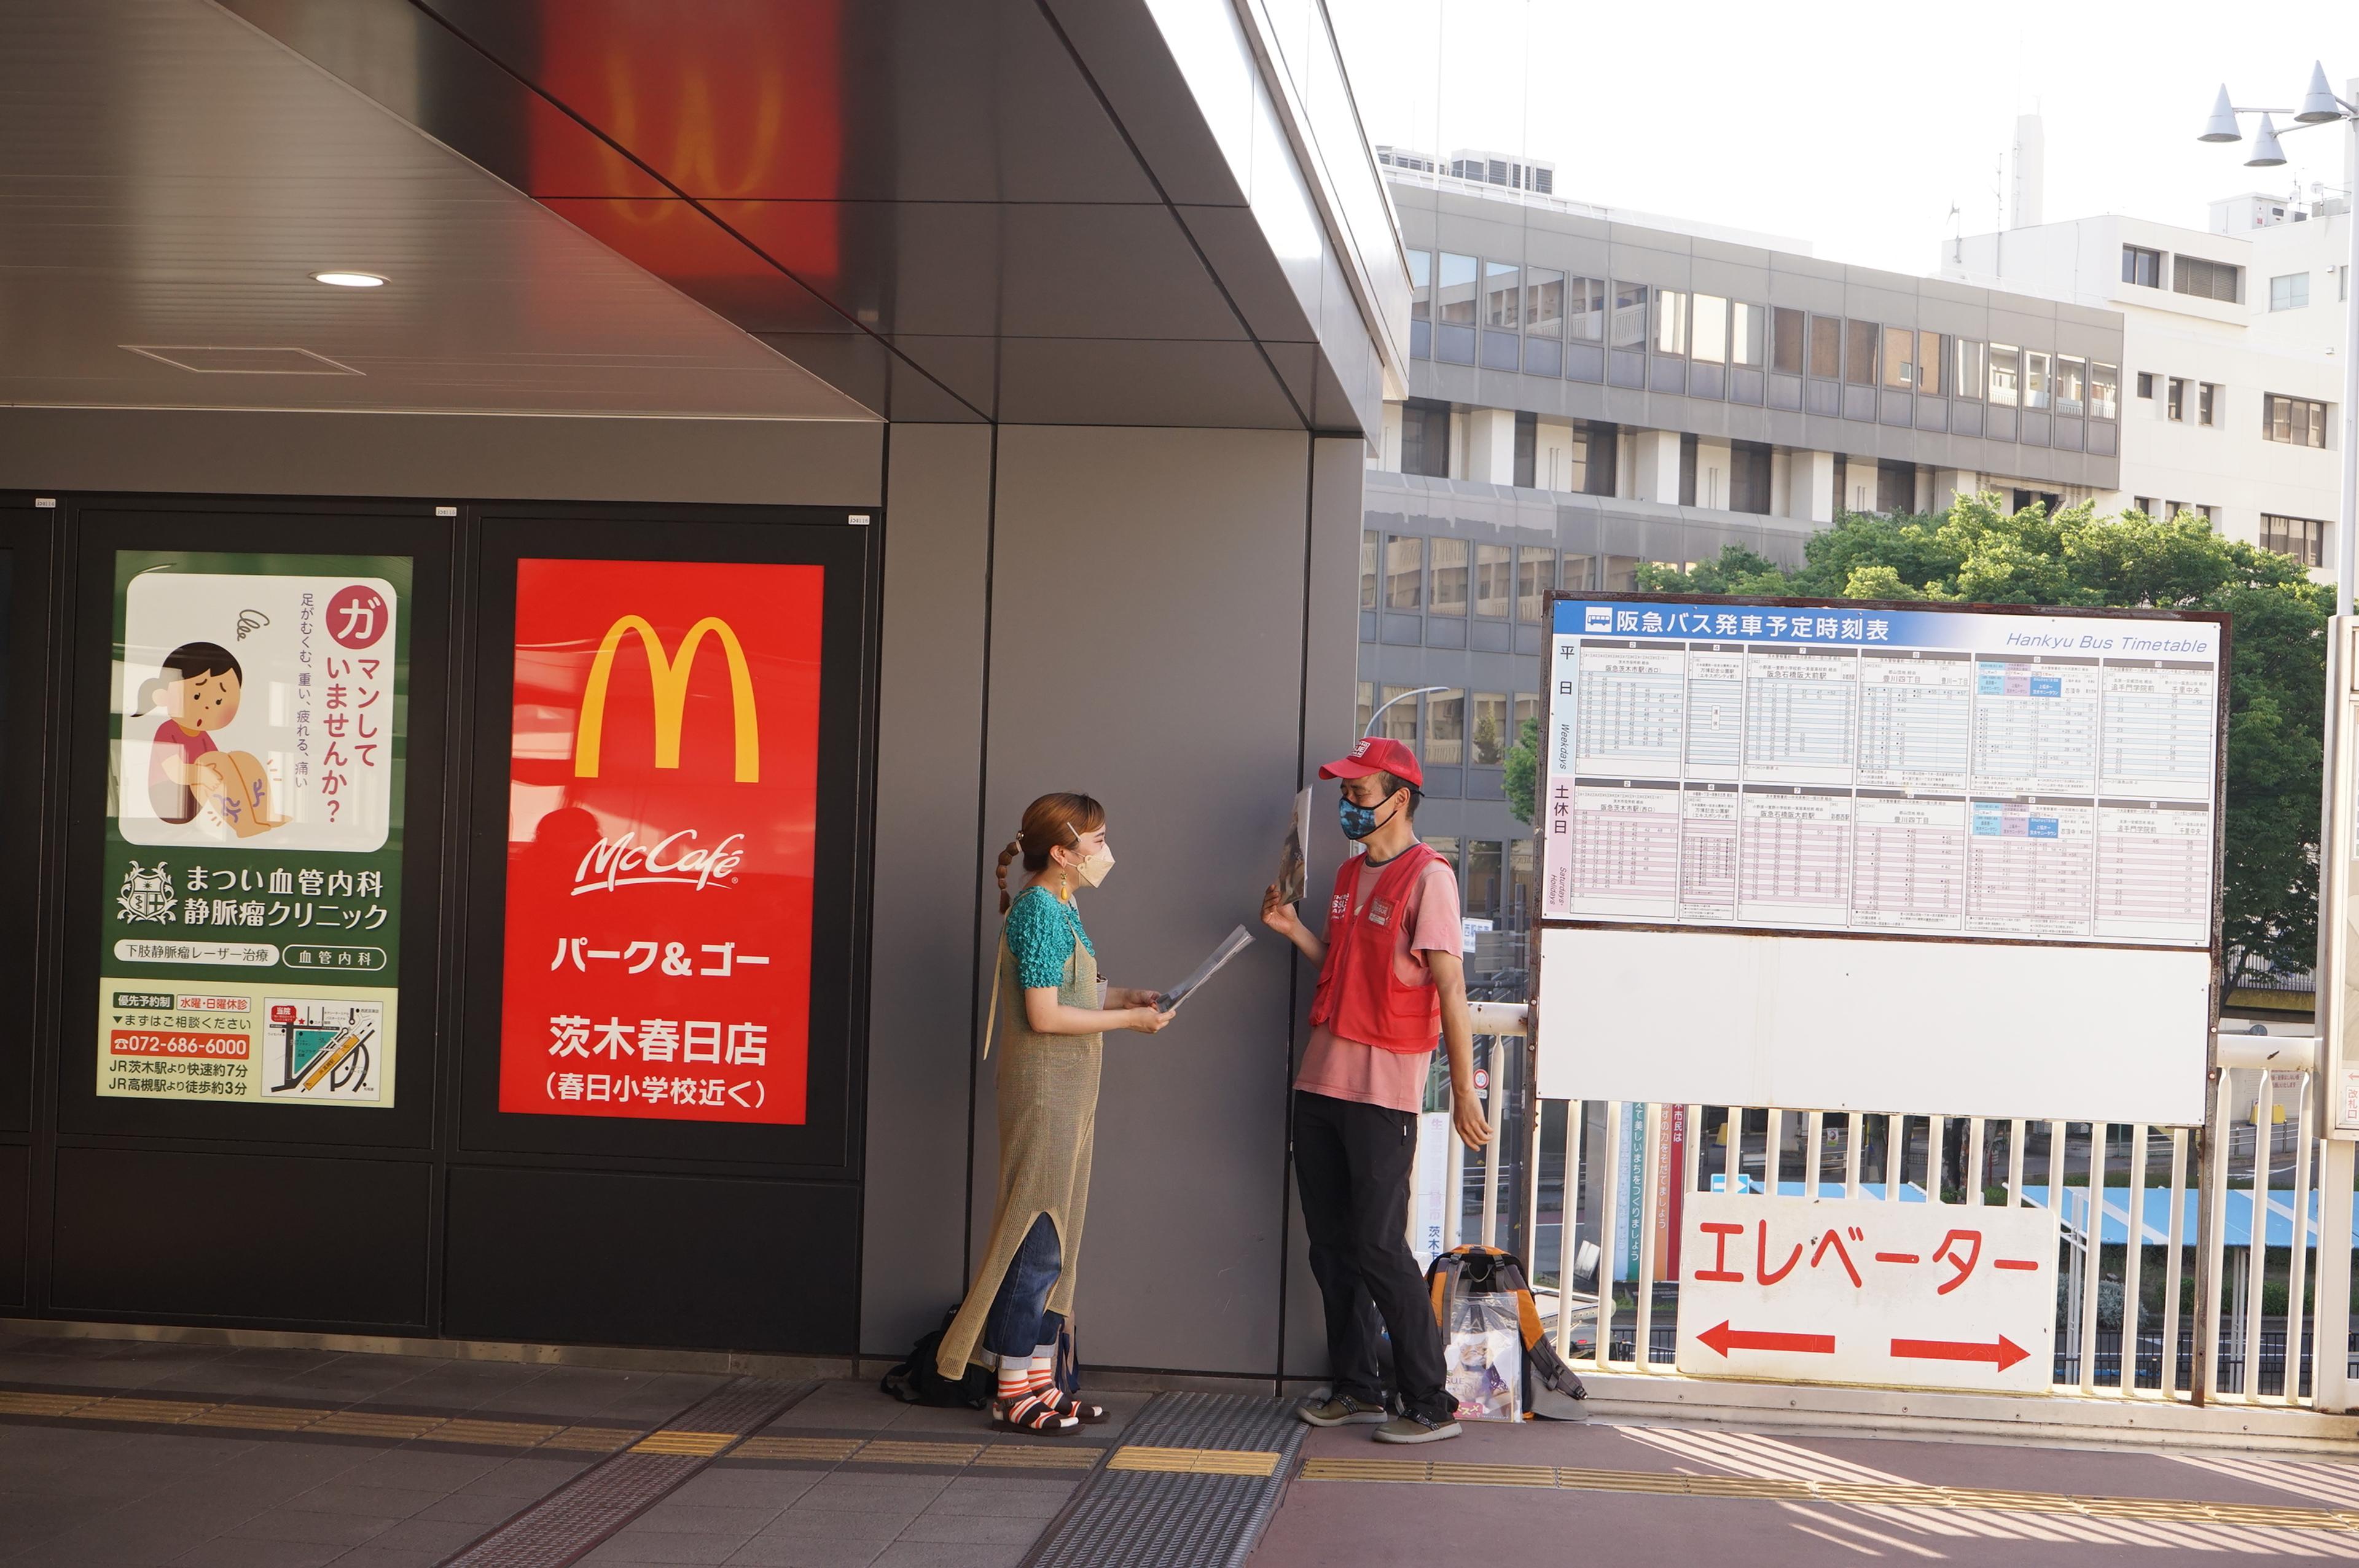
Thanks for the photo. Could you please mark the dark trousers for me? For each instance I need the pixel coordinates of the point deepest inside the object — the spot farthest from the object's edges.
(1019, 1323)
(1351, 1164)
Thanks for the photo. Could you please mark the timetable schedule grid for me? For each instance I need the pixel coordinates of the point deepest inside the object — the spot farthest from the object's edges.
(2024, 781)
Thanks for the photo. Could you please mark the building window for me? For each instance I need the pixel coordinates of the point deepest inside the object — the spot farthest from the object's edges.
(1528, 450)
(2104, 390)
(2036, 387)
(1543, 303)
(1787, 331)
(1404, 573)
(1929, 364)
(1970, 371)
(1523, 888)
(1490, 735)
(1535, 575)
(1747, 325)
(2290, 292)
(2046, 499)
(1859, 352)
(2142, 266)
(1400, 722)
(1896, 486)
(1826, 347)
(1588, 310)
(1708, 330)
(1425, 440)
(2206, 403)
(2146, 384)
(2071, 380)
(1590, 458)
(1454, 310)
(2303, 538)
(2206, 279)
(1445, 726)
(1618, 574)
(2299, 420)
(1629, 315)
(1449, 578)
(1370, 545)
(1899, 358)
(1748, 478)
(2145, 504)
(1503, 293)
(1671, 322)
(2005, 374)
(1687, 471)
(1367, 707)
(2176, 404)
(1484, 864)
(1494, 581)
(1528, 709)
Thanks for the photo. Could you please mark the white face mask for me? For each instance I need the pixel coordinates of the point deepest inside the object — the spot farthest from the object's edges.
(1092, 869)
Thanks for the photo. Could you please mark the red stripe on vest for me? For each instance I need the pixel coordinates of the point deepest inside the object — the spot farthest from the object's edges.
(1359, 997)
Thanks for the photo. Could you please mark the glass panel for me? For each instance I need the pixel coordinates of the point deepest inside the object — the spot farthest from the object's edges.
(1494, 584)
(1970, 369)
(1588, 308)
(1490, 735)
(2104, 391)
(1445, 726)
(1483, 863)
(1790, 328)
(1503, 293)
(1400, 722)
(1748, 329)
(2205, 406)
(1420, 285)
(2005, 374)
(1448, 576)
(1404, 573)
(2070, 376)
(1899, 358)
(1709, 331)
(1543, 302)
(1367, 707)
(1629, 315)
(1579, 574)
(1523, 890)
(1535, 575)
(1826, 348)
(1528, 708)
(1371, 541)
(2036, 387)
(1929, 364)
(1671, 322)
(1454, 294)
(1859, 352)
(1620, 573)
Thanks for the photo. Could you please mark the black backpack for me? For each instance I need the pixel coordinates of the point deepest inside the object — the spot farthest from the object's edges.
(918, 1381)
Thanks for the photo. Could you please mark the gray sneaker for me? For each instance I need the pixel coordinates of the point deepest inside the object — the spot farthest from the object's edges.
(1414, 1428)
(1341, 1411)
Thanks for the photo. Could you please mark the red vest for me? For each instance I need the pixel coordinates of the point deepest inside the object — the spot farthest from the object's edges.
(1359, 997)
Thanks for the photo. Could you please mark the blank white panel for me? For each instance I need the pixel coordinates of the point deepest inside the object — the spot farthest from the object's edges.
(1836, 1023)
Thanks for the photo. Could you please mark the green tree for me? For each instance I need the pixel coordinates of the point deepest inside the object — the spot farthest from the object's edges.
(1979, 553)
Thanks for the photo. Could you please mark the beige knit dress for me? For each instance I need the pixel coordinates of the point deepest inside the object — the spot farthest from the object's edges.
(1047, 1125)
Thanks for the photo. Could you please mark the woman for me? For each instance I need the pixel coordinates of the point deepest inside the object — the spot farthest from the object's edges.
(1047, 1116)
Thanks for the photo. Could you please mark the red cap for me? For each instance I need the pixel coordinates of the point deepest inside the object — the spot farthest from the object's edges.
(1377, 753)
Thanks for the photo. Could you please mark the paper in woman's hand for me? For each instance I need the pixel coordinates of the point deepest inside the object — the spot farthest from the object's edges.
(1236, 942)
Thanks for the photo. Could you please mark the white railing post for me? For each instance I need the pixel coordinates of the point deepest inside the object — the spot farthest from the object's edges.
(2133, 1259)
(2211, 1226)
(2329, 1366)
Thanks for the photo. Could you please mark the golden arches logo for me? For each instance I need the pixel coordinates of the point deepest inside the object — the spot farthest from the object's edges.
(669, 677)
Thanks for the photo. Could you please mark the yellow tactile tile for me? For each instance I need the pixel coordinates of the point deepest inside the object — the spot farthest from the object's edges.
(1197, 1461)
(703, 1444)
(824, 1450)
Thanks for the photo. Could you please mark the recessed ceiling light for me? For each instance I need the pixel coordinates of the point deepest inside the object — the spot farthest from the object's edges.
(349, 279)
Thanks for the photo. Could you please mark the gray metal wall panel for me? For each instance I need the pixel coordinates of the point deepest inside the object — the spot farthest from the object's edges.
(1148, 647)
(929, 769)
(737, 461)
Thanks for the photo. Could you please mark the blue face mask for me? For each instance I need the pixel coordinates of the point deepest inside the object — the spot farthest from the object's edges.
(1358, 821)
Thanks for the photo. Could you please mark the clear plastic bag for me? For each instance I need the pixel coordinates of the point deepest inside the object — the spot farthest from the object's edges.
(1485, 1358)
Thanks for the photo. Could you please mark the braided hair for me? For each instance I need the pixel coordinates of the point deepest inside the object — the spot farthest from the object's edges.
(1051, 820)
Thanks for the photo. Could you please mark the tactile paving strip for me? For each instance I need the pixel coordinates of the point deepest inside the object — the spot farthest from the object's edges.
(1193, 1484)
(575, 1518)
(391, 1426)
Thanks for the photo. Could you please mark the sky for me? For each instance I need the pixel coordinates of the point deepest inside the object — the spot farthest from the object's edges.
(1855, 127)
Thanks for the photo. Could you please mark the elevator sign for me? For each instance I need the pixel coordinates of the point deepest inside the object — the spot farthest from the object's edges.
(662, 768)
(1865, 1290)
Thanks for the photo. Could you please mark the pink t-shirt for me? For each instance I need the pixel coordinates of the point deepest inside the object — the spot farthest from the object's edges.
(1347, 1069)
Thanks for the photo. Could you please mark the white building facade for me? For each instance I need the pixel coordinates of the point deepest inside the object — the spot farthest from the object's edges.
(2231, 370)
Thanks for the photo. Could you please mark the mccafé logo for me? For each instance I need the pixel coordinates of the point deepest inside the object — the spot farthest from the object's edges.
(669, 677)
(624, 863)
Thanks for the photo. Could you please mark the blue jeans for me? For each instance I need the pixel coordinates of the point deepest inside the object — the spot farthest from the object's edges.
(1020, 1322)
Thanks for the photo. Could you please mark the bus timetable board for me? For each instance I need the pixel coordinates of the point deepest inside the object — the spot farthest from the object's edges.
(1843, 856)
(1962, 772)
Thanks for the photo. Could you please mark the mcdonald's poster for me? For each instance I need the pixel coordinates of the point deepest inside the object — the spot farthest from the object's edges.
(250, 933)
(662, 791)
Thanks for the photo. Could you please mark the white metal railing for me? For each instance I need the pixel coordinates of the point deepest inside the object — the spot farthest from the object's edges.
(2219, 1222)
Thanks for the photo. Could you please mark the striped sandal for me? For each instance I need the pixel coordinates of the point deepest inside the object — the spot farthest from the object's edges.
(1035, 1413)
(1066, 1404)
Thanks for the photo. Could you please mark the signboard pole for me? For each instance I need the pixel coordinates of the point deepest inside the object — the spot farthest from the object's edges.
(2337, 1091)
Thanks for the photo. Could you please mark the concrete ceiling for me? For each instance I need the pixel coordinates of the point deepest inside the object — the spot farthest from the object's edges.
(171, 177)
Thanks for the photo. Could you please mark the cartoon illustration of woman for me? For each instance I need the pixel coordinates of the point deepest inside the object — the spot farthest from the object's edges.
(199, 693)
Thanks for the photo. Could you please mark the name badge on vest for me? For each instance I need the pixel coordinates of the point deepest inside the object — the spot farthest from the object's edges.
(1380, 912)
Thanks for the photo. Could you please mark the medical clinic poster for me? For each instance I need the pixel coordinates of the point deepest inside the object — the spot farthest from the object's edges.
(662, 790)
(251, 942)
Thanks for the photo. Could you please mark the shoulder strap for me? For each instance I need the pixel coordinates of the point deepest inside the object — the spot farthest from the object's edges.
(991, 1019)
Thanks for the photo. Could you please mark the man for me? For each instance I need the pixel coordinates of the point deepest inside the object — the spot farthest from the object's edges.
(1389, 981)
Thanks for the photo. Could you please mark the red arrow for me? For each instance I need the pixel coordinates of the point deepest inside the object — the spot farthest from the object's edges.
(1725, 1339)
(2001, 1355)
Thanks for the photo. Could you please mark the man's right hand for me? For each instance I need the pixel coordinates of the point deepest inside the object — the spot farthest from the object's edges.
(1279, 916)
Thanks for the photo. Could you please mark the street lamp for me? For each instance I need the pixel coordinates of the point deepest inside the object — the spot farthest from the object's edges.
(1388, 702)
(2320, 106)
